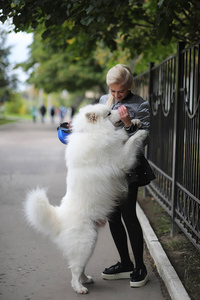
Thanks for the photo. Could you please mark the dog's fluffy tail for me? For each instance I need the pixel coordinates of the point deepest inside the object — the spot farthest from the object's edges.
(40, 214)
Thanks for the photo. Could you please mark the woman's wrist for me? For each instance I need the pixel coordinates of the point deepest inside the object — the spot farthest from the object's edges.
(132, 128)
(128, 125)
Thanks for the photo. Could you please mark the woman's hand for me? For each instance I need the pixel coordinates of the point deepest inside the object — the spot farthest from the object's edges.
(124, 116)
(69, 124)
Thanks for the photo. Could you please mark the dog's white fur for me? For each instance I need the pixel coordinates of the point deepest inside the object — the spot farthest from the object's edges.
(97, 156)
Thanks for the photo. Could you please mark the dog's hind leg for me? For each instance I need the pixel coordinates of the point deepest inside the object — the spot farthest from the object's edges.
(78, 277)
(82, 247)
(86, 279)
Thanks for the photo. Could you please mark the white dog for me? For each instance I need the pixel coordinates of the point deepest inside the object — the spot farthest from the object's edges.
(98, 156)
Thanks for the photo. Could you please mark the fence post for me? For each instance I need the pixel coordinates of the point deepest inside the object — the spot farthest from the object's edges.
(150, 92)
(179, 66)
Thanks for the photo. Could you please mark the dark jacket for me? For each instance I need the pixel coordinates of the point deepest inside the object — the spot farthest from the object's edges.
(138, 108)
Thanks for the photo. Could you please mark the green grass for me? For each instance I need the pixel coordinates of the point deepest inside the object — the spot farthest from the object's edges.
(18, 117)
(5, 119)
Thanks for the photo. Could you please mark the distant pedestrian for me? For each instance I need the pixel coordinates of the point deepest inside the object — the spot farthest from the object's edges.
(72, 111)
(52, 113)
(63, 111)
(34, 113)
(43, 112)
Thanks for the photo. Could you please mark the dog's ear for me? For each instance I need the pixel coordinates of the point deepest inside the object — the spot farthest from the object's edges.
(92, 117)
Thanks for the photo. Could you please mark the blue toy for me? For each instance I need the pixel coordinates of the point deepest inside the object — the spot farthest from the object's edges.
(63, 132)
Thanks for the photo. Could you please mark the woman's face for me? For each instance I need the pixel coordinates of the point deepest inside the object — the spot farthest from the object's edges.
(118, 91)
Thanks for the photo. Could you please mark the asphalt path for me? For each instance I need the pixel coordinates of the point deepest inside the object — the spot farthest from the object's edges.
(31, 267)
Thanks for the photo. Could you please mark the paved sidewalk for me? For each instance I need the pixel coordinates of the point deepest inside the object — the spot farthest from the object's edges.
(31, 266)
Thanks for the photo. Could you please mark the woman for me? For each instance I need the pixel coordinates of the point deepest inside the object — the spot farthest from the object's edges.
(130, 106)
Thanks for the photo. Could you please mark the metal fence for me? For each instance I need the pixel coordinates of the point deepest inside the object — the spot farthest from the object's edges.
(173, 90)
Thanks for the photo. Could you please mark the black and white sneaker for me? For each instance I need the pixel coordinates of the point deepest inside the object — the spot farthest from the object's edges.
(117, 271)
(139, 277)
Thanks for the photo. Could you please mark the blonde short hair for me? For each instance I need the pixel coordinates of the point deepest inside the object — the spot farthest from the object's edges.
(119, 74)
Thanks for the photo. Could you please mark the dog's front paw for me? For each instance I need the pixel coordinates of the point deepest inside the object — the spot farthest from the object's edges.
(136, 122)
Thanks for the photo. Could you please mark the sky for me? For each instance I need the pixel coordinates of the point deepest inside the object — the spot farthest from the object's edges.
(19, 51)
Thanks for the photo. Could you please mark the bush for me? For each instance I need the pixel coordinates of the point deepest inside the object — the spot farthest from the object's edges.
(15, 105)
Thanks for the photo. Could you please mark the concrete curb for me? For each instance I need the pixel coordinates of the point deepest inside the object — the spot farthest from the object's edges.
(163, 265)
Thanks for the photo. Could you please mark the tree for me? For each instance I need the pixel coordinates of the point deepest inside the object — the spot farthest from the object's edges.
(60, 69)
(7, 83)
(75, 31)
(138, 22)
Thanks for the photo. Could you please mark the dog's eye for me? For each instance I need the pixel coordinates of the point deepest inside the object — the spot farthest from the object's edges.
(109, 114)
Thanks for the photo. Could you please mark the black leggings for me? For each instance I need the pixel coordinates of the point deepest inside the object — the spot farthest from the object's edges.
(128, 212)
